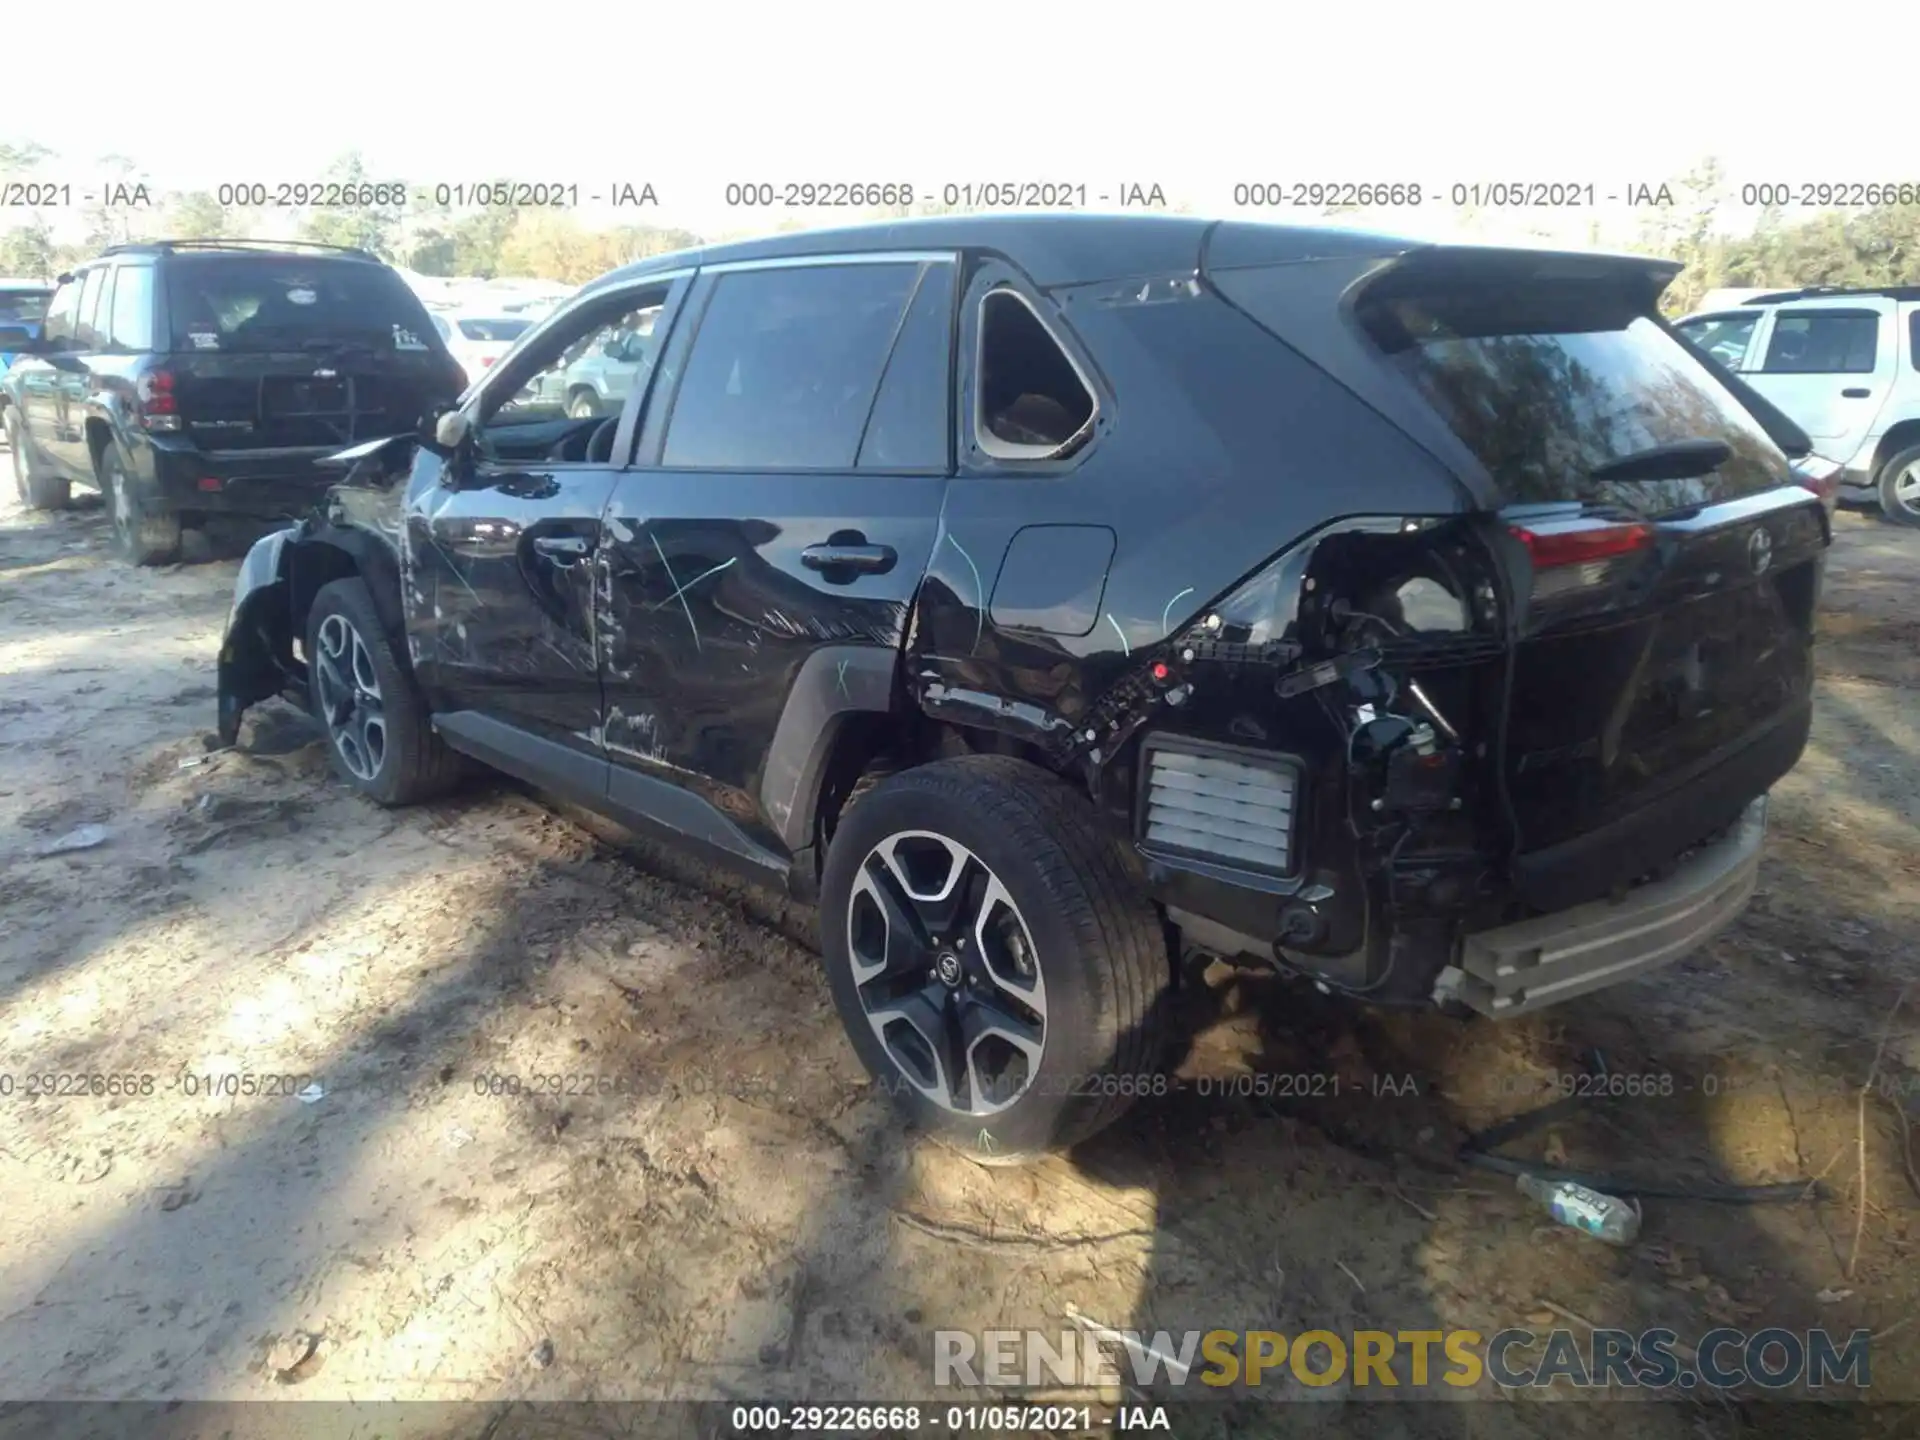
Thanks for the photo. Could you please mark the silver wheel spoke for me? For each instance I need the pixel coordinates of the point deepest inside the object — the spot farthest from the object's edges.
(349, 695)
(946, 970)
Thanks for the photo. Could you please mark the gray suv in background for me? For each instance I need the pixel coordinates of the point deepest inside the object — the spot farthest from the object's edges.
(1845, 365)
(600, 374)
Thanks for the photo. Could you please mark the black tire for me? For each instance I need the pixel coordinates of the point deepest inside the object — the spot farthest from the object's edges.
(1096, 948)
(38, 489)
(411, 763)
(143, 533)
(583, 404)
(1899, 487)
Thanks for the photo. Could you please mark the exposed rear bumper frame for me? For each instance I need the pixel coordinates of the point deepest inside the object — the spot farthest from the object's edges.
(1543, 961)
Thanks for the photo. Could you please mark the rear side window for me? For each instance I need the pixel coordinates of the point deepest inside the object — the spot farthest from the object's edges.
(1725, 337)
(1823, 342)
(493, 330)
(89, 330)
(785, 367)
(276, 302)
(131, 327)
(1550, 381)
(1031, 402)
(1913, 337)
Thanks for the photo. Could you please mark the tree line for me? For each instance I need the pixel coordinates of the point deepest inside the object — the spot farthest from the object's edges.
(1878, 246)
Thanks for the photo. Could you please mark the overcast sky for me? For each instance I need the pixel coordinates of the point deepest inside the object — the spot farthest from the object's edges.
(1187, 97)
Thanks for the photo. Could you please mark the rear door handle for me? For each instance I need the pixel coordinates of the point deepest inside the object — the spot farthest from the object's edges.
(1856, 393)
(860, 559)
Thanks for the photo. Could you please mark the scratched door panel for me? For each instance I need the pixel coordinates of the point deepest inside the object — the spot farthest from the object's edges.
(791, 470)
(710, 609)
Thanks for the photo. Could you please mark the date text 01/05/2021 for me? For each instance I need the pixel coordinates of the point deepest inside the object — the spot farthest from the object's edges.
(948, 1419)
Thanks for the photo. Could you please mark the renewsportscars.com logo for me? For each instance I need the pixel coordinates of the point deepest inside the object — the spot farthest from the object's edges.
(1723, 1359)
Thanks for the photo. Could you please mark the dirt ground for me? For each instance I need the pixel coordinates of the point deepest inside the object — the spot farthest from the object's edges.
(742, 1217)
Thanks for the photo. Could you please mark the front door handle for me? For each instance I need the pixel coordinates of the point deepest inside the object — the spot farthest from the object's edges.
(1856, 393)
(562, 549)
(857, 559)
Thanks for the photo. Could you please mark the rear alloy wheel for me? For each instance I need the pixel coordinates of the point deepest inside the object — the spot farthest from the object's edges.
(37, 489)
(378, 730)
(141, 536)
(583, 405)
(997, 968)
(1900, 487)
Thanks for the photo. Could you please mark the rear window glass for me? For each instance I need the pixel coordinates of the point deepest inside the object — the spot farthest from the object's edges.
(255, 303)
(23, 307)
(493, 330)
(1826, 342)
(1546, 384)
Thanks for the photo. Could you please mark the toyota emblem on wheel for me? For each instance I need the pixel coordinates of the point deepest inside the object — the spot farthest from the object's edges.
(1760, 551)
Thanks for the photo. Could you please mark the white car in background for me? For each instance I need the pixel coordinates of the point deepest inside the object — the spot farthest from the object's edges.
(478, 339)
(1844, 364)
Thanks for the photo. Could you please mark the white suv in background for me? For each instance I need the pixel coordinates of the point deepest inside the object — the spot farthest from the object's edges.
(1845, 366)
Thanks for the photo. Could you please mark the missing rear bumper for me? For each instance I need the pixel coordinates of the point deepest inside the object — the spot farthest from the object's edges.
(1551, 958)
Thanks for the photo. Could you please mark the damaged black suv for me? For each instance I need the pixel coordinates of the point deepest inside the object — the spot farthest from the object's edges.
(1057, 599)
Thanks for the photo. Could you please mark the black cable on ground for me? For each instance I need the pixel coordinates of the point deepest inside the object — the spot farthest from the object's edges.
(1475, 1151)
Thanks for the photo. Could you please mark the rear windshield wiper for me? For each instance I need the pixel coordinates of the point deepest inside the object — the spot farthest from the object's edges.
(1681, 460)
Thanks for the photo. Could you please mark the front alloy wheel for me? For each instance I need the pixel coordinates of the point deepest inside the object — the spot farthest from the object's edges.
(350, 701)
(946, 973)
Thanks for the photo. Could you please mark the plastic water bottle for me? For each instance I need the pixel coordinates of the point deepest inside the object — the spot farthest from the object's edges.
(1602, 1216)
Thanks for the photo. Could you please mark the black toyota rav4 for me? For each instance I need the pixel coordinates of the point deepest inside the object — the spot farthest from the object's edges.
(191, 378)
(1059, 599)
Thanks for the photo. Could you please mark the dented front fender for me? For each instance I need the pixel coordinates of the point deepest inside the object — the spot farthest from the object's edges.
(256, 652)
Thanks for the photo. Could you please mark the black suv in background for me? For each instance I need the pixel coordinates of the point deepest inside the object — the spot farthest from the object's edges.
(191, 378)
(1059, 598)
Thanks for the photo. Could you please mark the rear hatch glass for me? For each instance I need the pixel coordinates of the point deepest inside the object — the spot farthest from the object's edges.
(1548, 384)
(1640, 678)
(25, 308)
(278, 350)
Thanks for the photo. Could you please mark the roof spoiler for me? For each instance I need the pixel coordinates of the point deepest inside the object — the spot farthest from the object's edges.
(1644, 278)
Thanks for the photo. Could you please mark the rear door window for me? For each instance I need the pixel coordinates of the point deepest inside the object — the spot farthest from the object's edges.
(1913, 337)
(910, 424)
(255, 303)
(1823, 342)
(785, 367)
(1548, 382)
(1725, 337)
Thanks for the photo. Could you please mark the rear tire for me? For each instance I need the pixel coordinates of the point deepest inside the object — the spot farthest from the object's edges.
(997, 966)
(380, 734)
(143, 534)
(1900, 487)
(38, 490)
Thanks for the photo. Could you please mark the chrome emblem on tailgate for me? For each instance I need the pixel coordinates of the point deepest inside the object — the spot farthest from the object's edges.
(1760, 551)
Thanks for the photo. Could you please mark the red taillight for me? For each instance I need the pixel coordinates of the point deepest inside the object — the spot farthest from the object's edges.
(209, 483)
(158, 408)
(1581, 544)
(486, 361)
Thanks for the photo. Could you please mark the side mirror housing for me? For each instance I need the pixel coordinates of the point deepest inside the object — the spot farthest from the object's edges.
(450, 431)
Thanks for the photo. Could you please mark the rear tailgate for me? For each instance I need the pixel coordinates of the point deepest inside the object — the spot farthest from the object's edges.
(1663, 563)
(278, 352)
